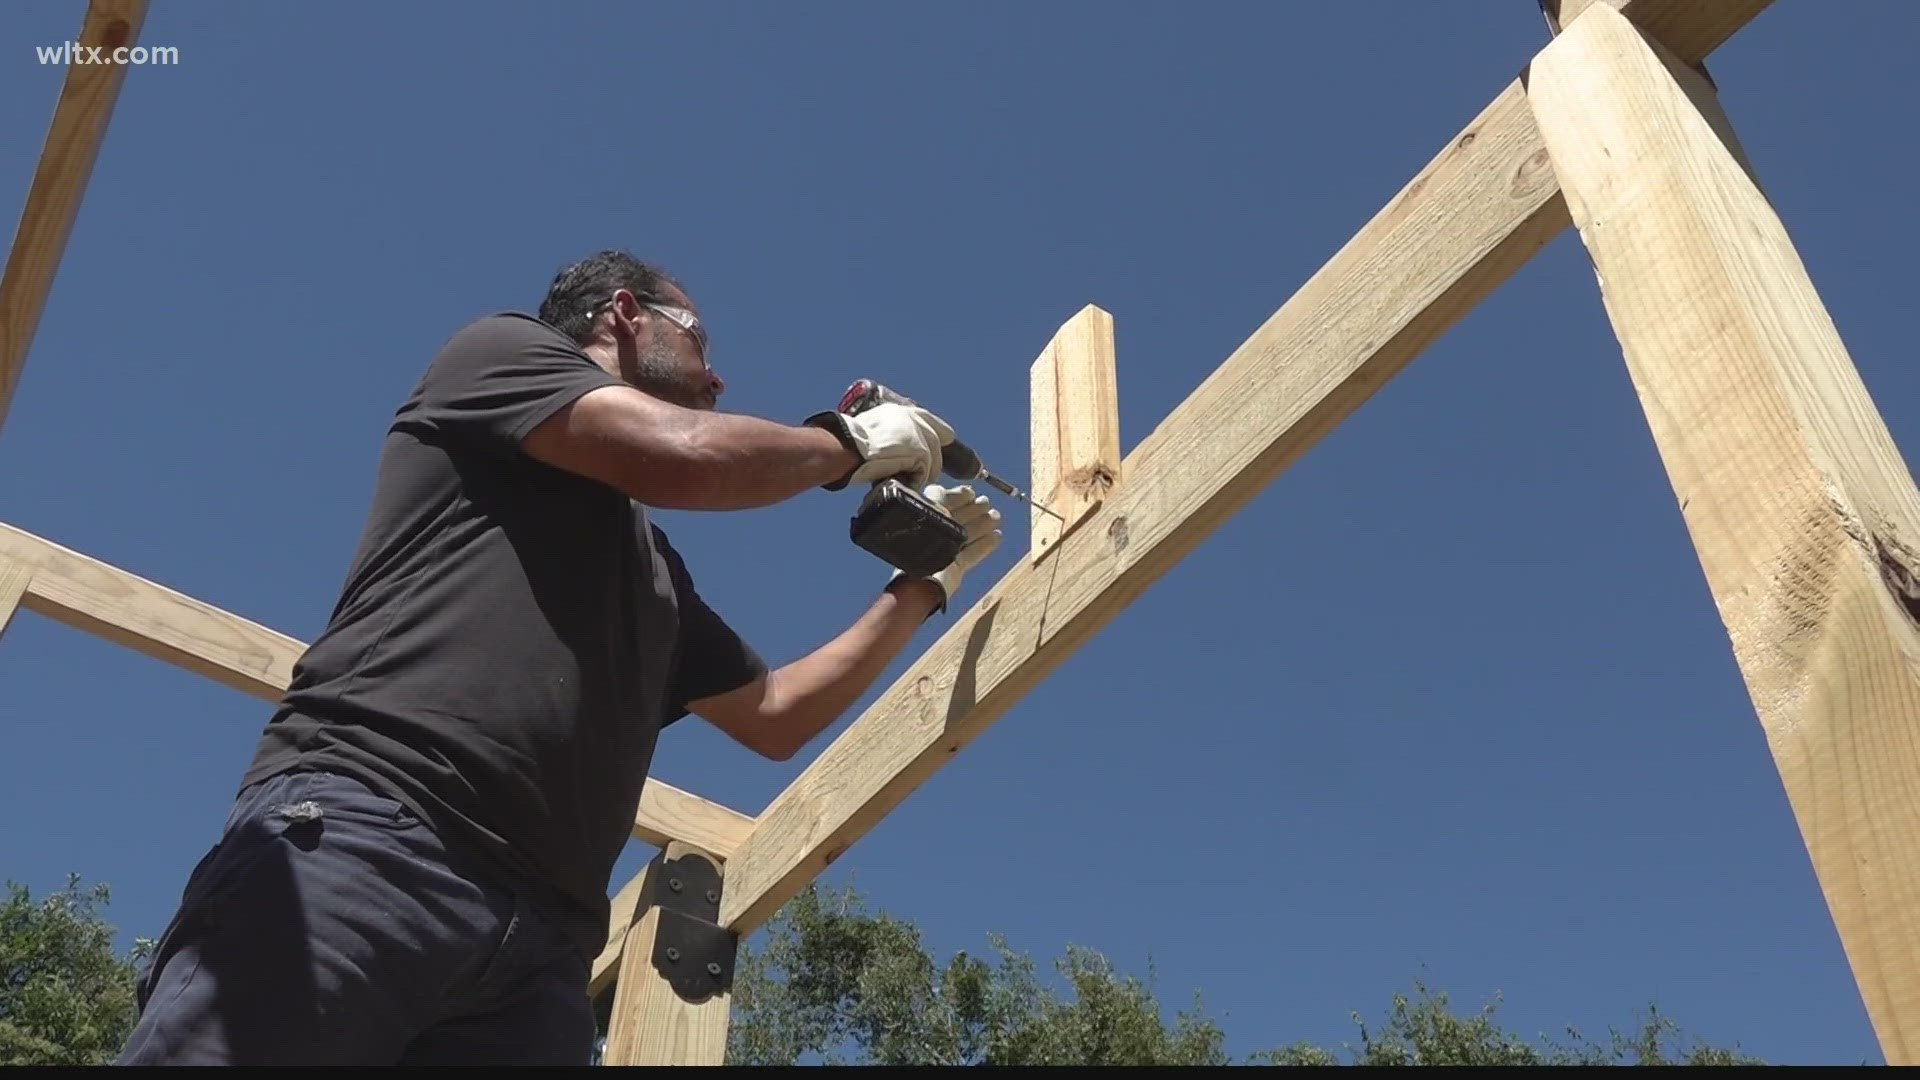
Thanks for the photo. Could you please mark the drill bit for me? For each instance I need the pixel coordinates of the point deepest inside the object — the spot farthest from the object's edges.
(1002, 485)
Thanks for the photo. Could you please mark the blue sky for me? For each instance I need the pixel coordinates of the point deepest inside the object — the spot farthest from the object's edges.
(1448, 699)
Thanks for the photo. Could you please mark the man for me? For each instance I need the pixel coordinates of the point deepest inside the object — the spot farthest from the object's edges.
(415, 869)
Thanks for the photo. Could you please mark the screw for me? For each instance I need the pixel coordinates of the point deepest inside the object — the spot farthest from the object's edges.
(674, 884)
(712, 897)
(713, 968)
(673, 955)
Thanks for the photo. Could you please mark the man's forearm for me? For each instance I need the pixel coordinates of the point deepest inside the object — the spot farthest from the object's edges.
(738, 462)
(809, 694)
(688, 459)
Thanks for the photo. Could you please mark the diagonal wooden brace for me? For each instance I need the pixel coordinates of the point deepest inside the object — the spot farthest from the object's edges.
(80, 118)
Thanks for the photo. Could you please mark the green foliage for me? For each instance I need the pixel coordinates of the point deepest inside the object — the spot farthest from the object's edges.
(65, 997)
(1424, 1031)
(836, 984)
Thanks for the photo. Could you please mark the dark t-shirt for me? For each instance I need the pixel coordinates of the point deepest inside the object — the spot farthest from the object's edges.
(511, 636)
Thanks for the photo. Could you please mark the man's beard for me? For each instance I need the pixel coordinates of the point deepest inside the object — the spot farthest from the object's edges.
(659, 372)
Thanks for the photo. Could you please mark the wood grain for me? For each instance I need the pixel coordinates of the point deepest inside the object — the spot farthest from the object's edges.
(625, 906)
(1690, 29)
(1074, 426)
(15, 576)
(651, 1024)
(128, 610)
(667, 813)
(1802, 511)
(80, 118)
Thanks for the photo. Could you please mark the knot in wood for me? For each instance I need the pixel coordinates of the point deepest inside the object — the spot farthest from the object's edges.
(1533, 174)
(1093, 481)
(1899, 576)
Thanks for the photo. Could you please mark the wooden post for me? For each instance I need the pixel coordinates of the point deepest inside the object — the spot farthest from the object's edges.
(675, 978)
(1804, 516)
(1075, 426)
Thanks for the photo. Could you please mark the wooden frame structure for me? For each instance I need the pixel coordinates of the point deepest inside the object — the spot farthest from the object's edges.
(1805, 519)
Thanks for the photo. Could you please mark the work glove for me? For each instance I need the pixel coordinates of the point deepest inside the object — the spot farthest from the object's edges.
(892, 440)
(982, 524)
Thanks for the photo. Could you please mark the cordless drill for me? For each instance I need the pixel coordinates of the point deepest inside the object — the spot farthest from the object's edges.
(898, 524)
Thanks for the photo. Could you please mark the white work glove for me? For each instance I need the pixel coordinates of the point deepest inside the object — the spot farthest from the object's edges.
(892, 440)
(982, 524)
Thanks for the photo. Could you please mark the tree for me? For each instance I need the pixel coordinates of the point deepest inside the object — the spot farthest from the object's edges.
(835, 984)
(1423, 1031)
(65, 997)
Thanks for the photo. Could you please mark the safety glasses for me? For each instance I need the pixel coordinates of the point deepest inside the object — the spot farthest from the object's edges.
(679, 316)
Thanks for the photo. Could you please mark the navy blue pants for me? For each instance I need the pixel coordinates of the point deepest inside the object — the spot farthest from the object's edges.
(329, 926)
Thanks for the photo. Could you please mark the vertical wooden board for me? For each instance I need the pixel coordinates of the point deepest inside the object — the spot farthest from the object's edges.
(1075, 424)
(651, 1023)
(1043, 474)
(1804, 516)
(1088, 413)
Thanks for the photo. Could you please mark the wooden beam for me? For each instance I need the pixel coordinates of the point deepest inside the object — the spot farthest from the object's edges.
(1075, 426)
(667, 813)
(671, 1002)
(128, 610)
(1478, 211)
(1805, 518)
(1690, 29)
(14, 579)
(86, 103)
(92, 596)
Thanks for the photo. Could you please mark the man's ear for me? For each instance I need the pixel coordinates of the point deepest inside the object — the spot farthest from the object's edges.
(626, 311)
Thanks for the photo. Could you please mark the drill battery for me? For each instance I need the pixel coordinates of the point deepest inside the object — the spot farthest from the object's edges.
(899, 525)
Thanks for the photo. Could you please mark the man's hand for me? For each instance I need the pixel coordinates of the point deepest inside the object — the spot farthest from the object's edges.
(982, 524)
(891, 440)
(777, 715)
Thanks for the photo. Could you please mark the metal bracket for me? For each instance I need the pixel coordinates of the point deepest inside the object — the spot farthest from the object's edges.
(691, 950)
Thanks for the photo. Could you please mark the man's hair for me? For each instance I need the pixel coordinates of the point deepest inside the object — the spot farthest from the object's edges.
(585, 285)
